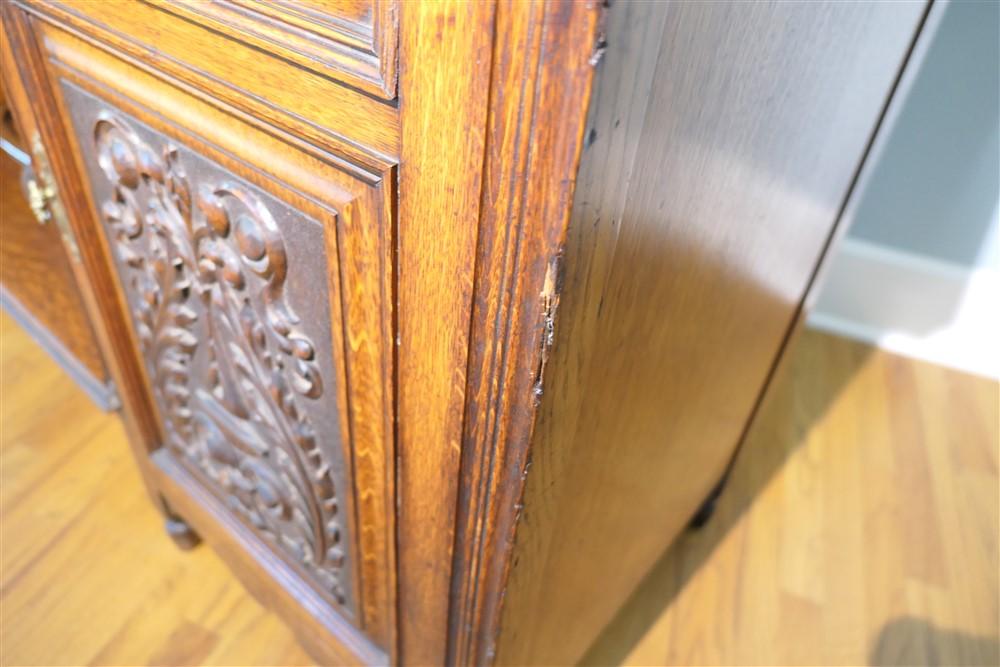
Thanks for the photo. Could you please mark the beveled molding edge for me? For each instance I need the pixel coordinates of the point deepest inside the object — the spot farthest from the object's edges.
(365, 61)
(515, 302)
(366, 162)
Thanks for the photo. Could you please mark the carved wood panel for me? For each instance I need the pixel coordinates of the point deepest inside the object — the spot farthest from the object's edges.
(230, 306)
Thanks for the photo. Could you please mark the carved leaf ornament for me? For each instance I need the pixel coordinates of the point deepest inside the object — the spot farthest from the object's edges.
(230, 369)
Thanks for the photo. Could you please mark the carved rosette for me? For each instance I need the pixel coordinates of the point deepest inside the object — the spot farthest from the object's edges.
(231, 370)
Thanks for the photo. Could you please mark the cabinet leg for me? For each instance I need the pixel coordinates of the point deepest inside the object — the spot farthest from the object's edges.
(181, 533)
(707, 508)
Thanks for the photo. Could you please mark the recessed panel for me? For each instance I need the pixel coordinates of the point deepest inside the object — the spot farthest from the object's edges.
(230, 308)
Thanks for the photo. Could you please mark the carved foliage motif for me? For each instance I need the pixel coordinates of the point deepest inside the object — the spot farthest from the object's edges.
(205, 267)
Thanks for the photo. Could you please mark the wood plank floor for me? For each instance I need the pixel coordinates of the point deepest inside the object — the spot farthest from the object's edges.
(859, 527)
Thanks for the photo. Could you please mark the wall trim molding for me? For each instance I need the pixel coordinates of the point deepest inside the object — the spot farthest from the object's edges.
(913, 305)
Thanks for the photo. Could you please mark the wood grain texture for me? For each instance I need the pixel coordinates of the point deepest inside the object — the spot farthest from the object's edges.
(859, 527)
(718, 151)
(354, 41)
(444, 84)
(238, 353)
(698, 220)
(350, 192)
(353, 205)
(541, 78)
(34, 267)
(36, 109)
(233, 75)
(35, 270)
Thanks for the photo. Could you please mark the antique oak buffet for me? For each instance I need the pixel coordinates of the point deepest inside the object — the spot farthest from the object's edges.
(438, 320)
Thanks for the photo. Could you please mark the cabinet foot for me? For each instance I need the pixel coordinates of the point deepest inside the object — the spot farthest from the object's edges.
(181, 533)
(707, 508)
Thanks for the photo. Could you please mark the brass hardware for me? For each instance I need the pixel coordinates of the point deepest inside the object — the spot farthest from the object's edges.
(44, 199)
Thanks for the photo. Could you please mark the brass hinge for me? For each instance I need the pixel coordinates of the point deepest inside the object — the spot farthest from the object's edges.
(44, 198)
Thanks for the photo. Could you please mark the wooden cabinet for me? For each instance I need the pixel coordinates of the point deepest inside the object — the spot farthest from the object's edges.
(39, 266)
(440, 320)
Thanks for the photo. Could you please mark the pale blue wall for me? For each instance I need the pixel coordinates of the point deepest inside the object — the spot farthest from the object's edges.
(936, 187)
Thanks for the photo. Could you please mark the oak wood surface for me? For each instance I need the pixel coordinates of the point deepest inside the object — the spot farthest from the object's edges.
(541, 77)
(214, 89)
(34, 270)
(354, 41)
(350, 191)
(817, 553)
(708, 188)
(444, 216)
(351, 204)
(315, 108)
(35, 109)
(34, 267)
(443, 88)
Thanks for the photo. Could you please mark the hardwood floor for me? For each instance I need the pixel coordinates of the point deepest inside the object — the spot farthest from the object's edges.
(859, 527)
(88, 574)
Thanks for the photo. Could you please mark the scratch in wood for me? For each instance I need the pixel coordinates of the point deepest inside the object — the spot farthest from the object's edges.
(550, 302)
(601, 44)
(599, 48)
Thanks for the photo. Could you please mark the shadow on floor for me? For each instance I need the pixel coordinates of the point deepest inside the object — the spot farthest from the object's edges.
(912, 641)
(810, 377)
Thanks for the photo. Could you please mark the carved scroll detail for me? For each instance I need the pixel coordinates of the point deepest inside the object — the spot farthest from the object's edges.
(231, 370)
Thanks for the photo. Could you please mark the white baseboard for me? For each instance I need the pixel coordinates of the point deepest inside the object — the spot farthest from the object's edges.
(913, 305)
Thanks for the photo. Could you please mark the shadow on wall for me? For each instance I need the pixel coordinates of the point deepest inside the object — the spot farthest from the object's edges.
(911, 641)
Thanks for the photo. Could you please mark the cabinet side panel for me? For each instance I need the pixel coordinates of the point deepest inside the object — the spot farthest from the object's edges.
(721, 144)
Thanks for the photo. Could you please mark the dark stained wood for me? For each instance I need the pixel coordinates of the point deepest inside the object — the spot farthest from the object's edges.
(362, 197)
(237, 354)
(325, 634)
(709, 186)
(355, 235)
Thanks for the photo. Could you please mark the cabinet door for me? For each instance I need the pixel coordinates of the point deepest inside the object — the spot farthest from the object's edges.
(241, 206)
(38, 280)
